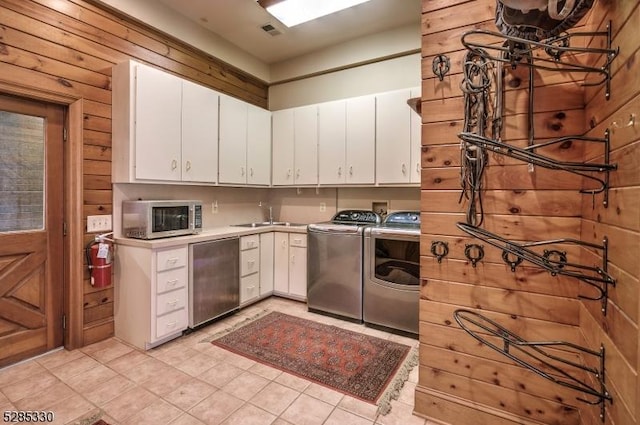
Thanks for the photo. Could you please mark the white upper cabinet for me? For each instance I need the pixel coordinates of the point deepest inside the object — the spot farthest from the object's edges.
(346, 141)
(157, 129)
(295, 146)
(305, 151)
(233, 140)
(332, 142)
(361, 140)
(282, 147)
(199, 133)
(258, 146)
(416, 140)
(157, 119)
(393, 137)
(245, 143)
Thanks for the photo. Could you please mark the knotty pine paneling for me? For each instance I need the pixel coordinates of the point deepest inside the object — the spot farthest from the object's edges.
(455, 393)
(69, 47)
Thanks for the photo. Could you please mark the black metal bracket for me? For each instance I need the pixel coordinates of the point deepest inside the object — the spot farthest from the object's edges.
(597, 277)
(590, 171)
(439, 249)
(474, 253)
(513, 50)
(521, 351)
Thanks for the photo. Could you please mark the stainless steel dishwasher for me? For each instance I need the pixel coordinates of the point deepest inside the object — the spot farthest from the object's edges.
(334, 264)
(214, 279)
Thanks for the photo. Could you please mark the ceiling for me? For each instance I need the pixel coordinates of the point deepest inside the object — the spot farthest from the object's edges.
(240, 22)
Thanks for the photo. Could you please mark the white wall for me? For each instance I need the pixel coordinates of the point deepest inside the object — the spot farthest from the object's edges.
(387, 75)
(396, 42)
(240, 205)
(157, 15)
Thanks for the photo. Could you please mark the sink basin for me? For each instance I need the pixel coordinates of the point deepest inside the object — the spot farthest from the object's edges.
(266, 223)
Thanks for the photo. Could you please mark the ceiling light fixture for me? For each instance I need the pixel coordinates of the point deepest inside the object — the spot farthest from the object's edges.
(295, 12)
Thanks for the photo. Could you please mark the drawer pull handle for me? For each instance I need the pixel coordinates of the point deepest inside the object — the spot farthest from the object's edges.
(172, 324)
(174, 164)
(172, 260)
(172, 303)
(172, 282)
(188, 165)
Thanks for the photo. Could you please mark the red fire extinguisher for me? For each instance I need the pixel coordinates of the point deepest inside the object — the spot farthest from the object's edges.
(100, 259)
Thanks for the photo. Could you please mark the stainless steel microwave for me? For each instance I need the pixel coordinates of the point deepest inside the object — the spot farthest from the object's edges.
(160, 219)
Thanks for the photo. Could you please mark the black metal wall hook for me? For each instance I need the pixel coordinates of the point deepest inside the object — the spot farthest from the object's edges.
(512, 50)
(474, 253)
(596, 277)
(440, 66)
(588, 170)
(531, 354)
(439, 249)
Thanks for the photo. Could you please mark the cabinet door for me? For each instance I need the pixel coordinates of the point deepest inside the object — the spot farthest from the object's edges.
(266, 263)
(282, 147)
(281, 263)
(249, 288)
(331, 142)
(298, 271)
(258, 146)
(416, 139)
(305, 120)
(157, 128)
(233, 141)
(199, 133)
(361, 140)
(393, 137)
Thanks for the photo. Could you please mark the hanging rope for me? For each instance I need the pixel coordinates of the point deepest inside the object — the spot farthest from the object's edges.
(476, 85)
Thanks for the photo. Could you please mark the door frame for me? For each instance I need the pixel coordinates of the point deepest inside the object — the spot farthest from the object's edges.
(73, 201)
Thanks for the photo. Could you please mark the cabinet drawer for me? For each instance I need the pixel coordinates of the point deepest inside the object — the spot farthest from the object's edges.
(249, 262)
(249, 287)
(172, 258)
(249, 242)
(297, 239)
(171, 301)
(171, 279)
(171, 323)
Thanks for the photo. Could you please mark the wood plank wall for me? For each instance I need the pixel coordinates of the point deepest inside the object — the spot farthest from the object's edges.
(461, 381)
(69, 46)
(620, 222)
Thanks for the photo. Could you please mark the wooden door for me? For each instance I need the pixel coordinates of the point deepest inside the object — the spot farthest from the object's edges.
(31, 228)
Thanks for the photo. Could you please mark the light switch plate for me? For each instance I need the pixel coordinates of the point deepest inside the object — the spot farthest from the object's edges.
(99, 223)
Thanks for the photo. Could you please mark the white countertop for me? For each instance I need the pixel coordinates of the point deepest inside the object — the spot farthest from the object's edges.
(210, 234)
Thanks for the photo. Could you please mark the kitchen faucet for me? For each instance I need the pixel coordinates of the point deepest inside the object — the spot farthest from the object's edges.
(260, 204)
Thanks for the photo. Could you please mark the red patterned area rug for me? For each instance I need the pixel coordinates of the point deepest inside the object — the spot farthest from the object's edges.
(353, 363)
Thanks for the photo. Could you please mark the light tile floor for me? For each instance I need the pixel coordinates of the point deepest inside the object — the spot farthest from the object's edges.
(190, 382)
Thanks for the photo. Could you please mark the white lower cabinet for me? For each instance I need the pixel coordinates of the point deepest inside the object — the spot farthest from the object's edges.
(256, 267)
(249, 268)
(290, 265)
(151, 294)
(266, 264)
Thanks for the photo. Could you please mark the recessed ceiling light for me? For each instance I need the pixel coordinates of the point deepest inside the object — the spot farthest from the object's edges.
(295, 12)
